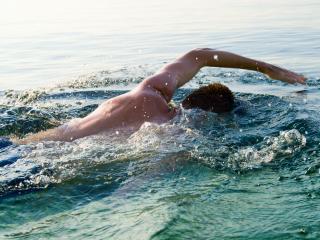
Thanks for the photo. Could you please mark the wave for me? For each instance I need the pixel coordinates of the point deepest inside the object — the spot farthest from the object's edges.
(222, 147)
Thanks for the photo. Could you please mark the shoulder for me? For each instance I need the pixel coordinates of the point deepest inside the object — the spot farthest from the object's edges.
(149, 95)
(148, 92)
(152, 101)
(162, 82)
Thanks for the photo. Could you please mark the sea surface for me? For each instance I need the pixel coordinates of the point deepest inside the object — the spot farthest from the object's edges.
(253, 173)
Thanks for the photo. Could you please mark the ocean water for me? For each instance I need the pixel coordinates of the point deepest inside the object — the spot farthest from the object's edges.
(253, 173)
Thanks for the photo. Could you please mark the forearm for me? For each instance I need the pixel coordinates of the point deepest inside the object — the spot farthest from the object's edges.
(215, 58)
(49, 135)
(187, 66)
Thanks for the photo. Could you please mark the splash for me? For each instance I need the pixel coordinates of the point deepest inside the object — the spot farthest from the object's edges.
(106, 78)
(286, 144)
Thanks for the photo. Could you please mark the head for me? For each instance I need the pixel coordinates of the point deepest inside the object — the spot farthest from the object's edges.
(213, 97)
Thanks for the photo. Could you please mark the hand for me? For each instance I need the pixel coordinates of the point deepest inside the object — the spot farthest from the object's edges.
(282, 74)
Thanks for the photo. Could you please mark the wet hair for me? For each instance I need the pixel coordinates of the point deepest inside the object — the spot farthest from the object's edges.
(214, 97)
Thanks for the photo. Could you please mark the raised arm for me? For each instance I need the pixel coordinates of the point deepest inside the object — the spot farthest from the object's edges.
(184, 68)
(214, 58)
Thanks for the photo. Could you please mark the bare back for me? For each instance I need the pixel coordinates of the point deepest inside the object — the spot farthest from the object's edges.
(129, 110)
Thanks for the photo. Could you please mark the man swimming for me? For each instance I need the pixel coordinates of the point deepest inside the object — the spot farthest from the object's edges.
(150, 100)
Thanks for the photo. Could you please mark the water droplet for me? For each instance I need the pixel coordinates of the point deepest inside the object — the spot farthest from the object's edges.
(197, 59)
(135, 107)
(240, 130)
(216, 57)
(152, 191)
(302, 231)
(117, 132)
(269, 104)
(305, 100)
(166, 84)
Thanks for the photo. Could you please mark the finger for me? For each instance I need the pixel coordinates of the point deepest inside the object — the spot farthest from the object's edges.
(300, 79)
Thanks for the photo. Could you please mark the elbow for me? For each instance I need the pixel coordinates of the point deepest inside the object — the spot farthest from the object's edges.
(201, 50)
(200, 56)
(195, 52)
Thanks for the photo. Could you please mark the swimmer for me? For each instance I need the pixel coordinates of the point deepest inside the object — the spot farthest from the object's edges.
(150, 100)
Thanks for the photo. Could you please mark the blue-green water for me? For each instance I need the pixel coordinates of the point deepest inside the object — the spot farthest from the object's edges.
(253, 173)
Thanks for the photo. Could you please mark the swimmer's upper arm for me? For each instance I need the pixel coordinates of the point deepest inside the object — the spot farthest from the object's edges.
(174, 74)
(162, 82)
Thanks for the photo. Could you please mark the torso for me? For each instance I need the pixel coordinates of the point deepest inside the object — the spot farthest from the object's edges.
(129, 110)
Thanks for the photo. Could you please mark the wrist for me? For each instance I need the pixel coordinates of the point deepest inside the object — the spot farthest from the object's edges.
(261, 66)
